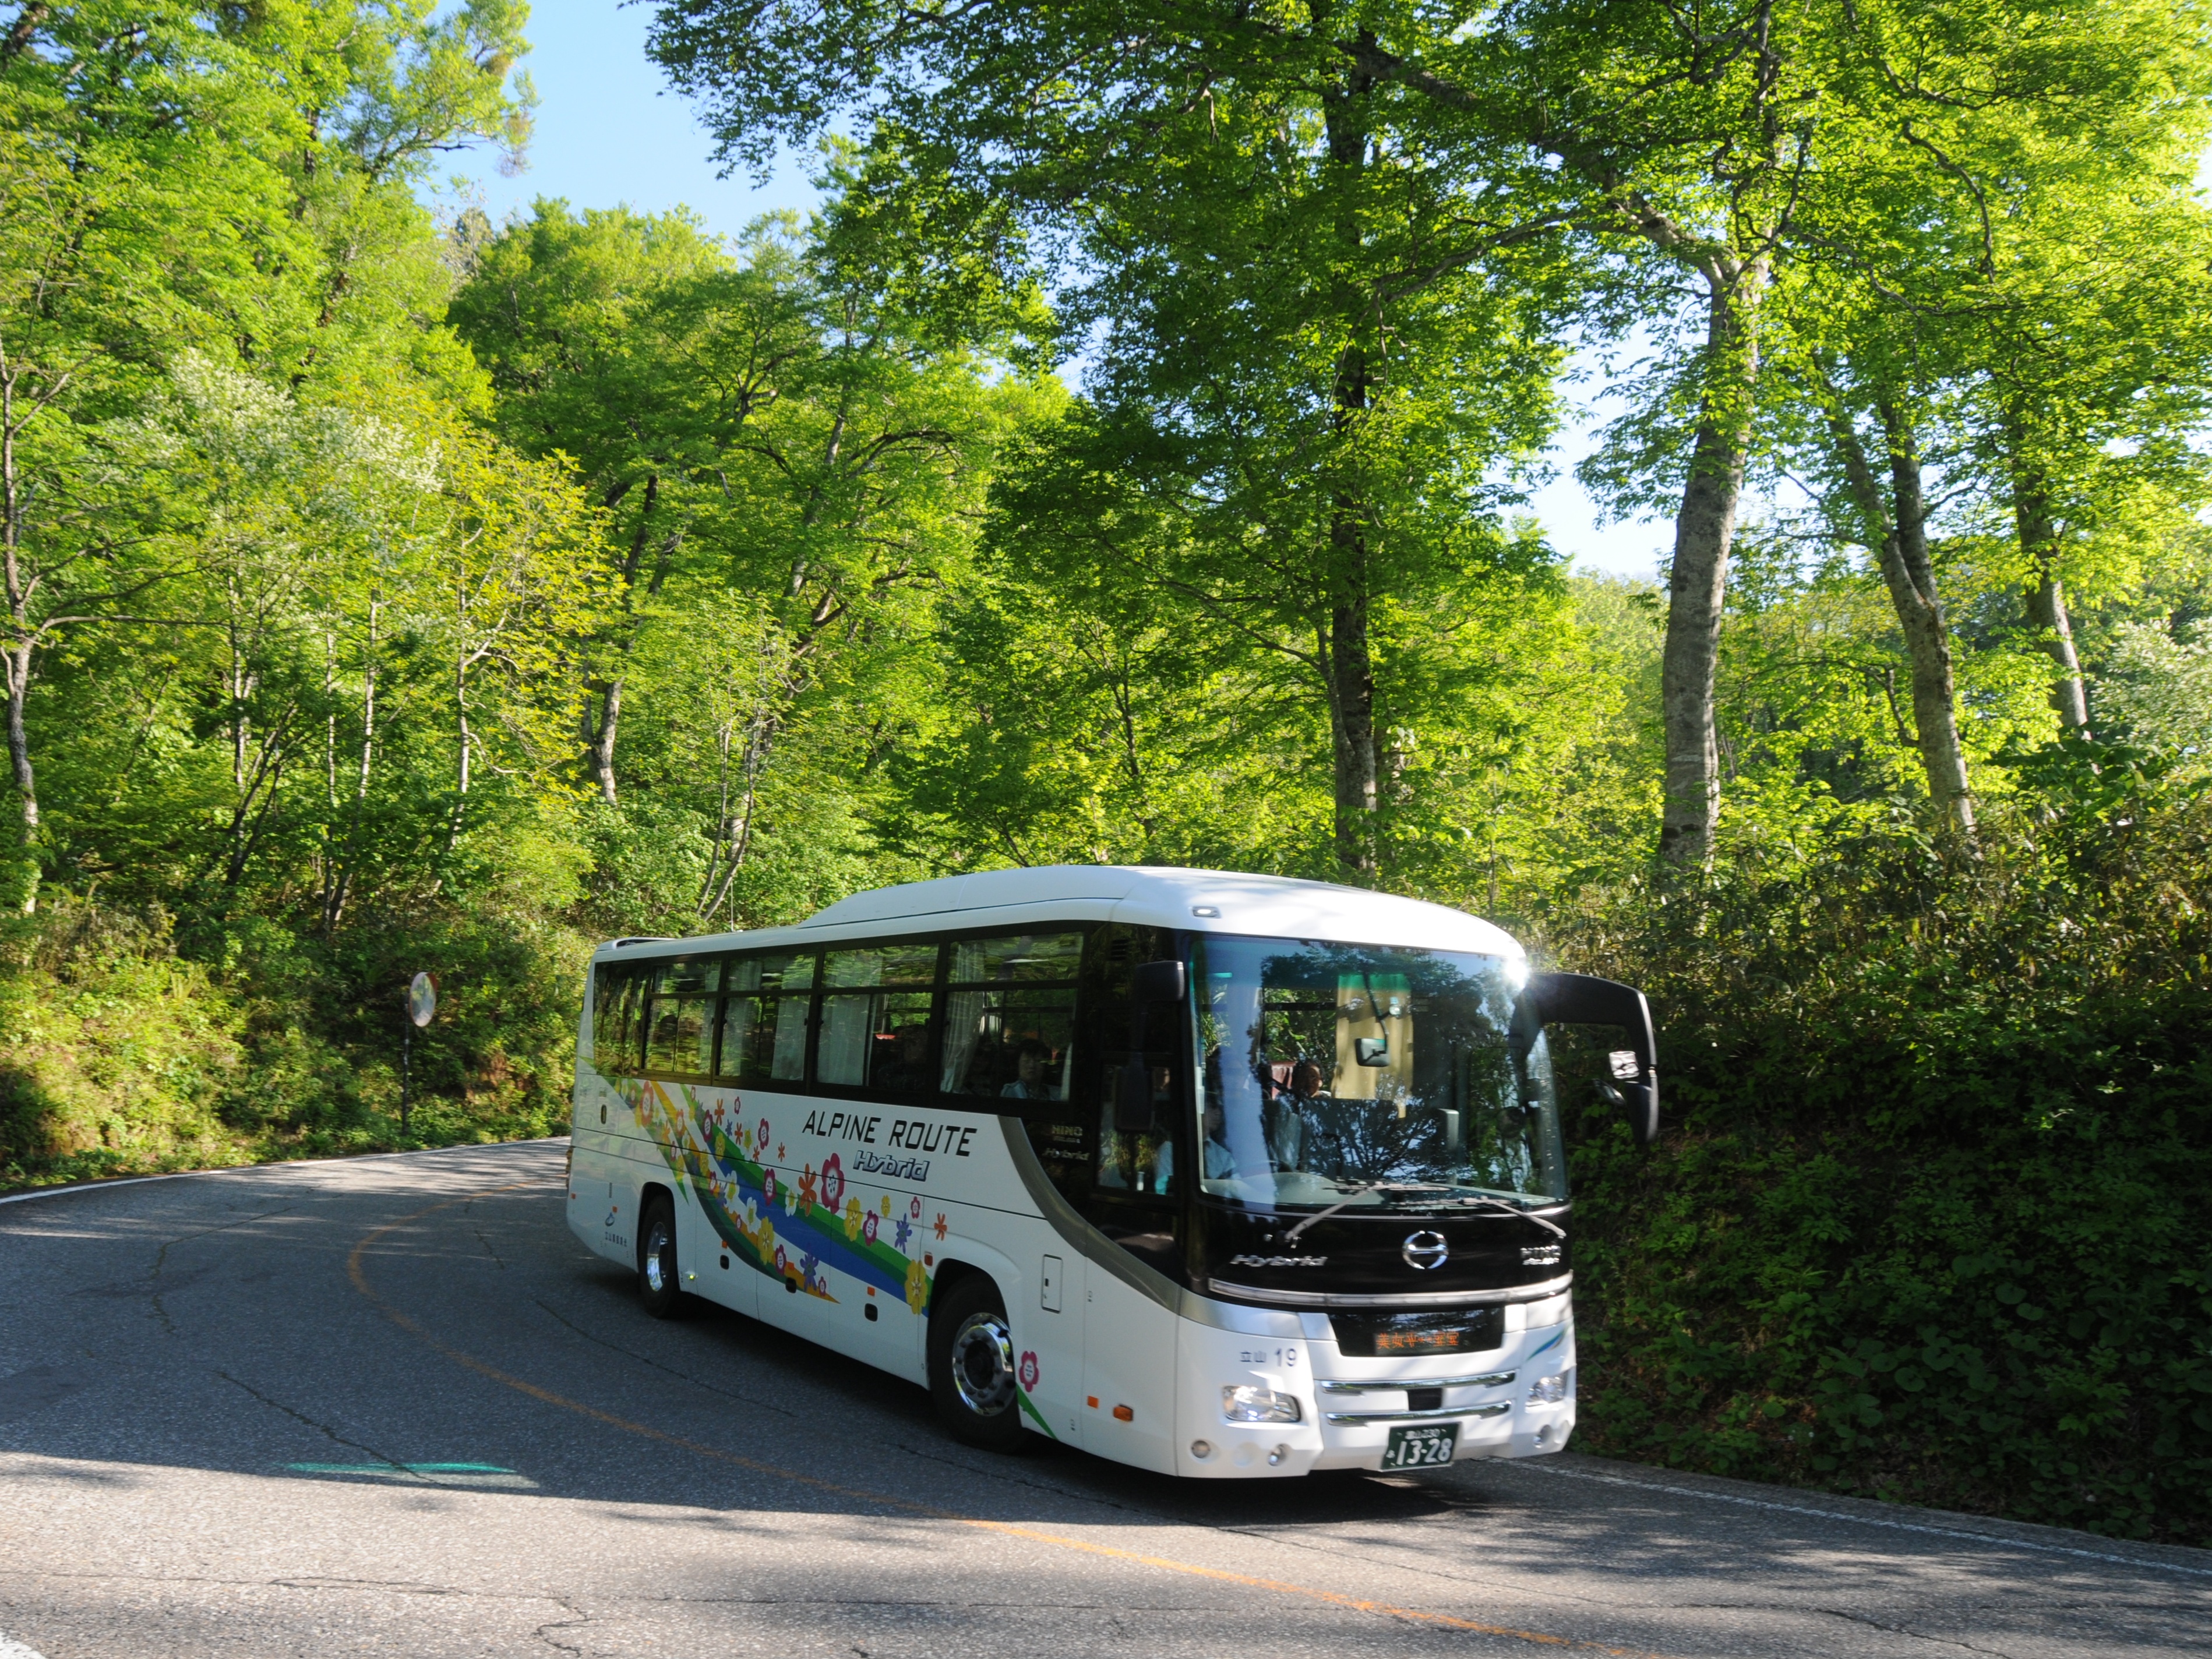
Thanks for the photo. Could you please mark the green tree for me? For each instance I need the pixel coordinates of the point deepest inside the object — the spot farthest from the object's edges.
(779, 443)
(166, 184)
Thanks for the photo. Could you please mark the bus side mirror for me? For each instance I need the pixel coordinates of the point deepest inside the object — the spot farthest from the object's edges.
(1154, 982)
(1581, 999)
(1133, 1099)
(1151, 985)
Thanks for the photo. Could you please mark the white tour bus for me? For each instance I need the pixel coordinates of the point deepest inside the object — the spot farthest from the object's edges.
(1216, 1174)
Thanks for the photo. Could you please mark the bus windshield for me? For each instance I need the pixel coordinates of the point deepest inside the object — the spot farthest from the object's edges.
(1365, 1077)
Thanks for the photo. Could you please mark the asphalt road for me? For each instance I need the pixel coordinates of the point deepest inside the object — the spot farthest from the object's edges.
(390, 1407)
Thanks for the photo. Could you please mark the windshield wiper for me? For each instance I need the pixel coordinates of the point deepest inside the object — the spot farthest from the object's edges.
(1372, 1188)
(1368, 1191)
(1511, 1208)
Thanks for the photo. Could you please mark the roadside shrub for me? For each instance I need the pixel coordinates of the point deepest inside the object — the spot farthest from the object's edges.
(1932, 1217)
(120, 1054)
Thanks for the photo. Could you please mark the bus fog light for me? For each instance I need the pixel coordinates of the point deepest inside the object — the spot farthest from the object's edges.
(1549, 1390)
(1201, 1450)
(1255, 1402)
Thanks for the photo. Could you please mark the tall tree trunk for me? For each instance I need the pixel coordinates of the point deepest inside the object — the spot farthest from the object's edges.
(461, 757)
(1347, 649)
(2047, 614)
(334, 897)
(1704, 529)
(2047, 599)
(1899, 539)
(601, 755)
(18, 664)
(602, 735)
(22, 641)
(1911, 575)
(1352, 722)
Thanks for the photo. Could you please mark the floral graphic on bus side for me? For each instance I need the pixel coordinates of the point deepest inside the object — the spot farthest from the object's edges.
(1029, 1371)
(739, 1194)
(833, 1182)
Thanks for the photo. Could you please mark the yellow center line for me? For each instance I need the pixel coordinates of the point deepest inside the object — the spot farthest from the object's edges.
(1165, 1564)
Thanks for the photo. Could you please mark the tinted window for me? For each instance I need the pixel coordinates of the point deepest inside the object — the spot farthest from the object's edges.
(1133, 1167)
(1010, 1017)
(696, 976)
(764, 1017)
(614, 1017)
(681, 1035)
(679, 1018)
(875, 1018)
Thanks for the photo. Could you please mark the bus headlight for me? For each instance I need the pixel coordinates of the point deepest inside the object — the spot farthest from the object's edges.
(1549, 1390)
(1255, 1402)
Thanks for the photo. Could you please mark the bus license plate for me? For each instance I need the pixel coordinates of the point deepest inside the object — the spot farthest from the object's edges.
(1421, 1448)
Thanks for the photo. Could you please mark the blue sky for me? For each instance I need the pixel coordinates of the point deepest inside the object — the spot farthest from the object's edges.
(609, 133)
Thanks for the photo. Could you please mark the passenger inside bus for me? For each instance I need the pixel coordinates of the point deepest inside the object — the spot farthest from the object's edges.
(1032, 1079)
(901, 1060)
(1219, 1162)
(1293, 1094)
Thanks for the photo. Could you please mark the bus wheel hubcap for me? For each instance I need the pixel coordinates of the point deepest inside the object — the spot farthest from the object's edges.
(984, 1364)
(656, 1267)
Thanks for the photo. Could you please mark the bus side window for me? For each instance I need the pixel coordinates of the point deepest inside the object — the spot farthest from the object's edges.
(875, 1021)
(763, 1038)
(1010, 1017)
(680, 1019)
(614, 1017)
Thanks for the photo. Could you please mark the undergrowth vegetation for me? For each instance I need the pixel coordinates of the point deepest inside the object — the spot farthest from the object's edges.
(1932, 1219)
(124, 1054)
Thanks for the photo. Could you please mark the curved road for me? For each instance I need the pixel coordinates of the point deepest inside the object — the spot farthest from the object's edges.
(390, 1407)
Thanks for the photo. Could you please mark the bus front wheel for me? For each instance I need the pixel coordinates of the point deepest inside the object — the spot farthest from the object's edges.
(971, 1367)
(659, 1285)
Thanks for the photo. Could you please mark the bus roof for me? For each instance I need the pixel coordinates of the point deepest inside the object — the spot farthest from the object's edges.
(1204, 901)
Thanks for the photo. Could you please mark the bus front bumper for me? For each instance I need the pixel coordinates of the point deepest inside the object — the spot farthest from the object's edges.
(1514, 1401)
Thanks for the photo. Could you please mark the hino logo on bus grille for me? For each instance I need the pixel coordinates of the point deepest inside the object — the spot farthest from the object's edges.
(1424, 1250)
(1276, 1260)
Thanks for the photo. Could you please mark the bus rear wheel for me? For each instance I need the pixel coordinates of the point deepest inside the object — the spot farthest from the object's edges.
(659, 1285)
(971, 1368)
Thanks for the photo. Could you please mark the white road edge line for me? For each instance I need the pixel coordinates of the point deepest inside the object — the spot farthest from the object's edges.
(1997, 1539)
(252, 1168)
(16, 1650)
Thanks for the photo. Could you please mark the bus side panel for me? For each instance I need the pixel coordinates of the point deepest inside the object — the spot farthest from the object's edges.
(1049, 1335)
(821, 1223)
(877, 1201)
(1129, 1366)
(603, 1181)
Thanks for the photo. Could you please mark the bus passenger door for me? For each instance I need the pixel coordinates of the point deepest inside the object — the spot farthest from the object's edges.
(1130, 1189)
(1129, 1336)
